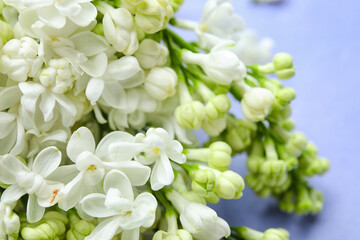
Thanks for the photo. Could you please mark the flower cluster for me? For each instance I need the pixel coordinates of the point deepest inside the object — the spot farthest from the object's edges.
(98, 103)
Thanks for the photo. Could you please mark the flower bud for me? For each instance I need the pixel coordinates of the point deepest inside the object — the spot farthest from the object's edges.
(283, 65)
(217, 106)
(9, 222)
(284, 96)
(317, 166)
(254, 163)
(220, 156)
(190, 115)
(48, 230)
(6, 32)
(286, 202)
(254, 182)
(275, 234)
(256, 104)
(119, 30)
(214, 127)
(151, 54)
(160, 83)
(180, 234)
(80, 230)
(229, 185)
(221, 66)
(273, 167)
(296, 144)
(239, 137)
(203, 181)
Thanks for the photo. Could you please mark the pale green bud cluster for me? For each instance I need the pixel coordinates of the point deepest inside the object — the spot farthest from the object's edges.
(150, 15)
(51, 227)
(190, 115)
(239, 134)
(180, 234)
(229, 185)
(310, 163)
(217, 106)
(252, 234)
(282, 66)
(79, 228)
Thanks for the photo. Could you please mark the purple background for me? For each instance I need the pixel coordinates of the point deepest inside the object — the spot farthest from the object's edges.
(323, 36)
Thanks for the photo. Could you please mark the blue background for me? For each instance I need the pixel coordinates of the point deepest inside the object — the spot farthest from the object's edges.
(323, 36)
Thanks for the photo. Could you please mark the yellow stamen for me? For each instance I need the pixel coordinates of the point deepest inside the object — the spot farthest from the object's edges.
(92, 167)
(156, 150)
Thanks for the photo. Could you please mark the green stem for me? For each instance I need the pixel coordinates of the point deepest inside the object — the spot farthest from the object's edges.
(179, 41)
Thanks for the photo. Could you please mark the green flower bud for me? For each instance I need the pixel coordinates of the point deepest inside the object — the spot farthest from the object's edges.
(45, 231)
(239, 137)
(203, 181)
(254, 182)
(214, 127)
(304, 203)
(6, 32)
(283, 65)
(286, 202)
(212, 198)
(254, 163)
(275, 234)
(220, 156)
(180, 234)
(317, 199)
(284, 96)
(229, 185)
(296, 144)
(273, 167)
(217, 106)
(288, 124)
(190, 115)
(276, 181)
(280, 114)
(79, 228)
(54, 215)
(317, 166)
(176, 4)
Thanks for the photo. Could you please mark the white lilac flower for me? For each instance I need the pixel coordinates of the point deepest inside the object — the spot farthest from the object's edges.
(156, 148)
(9, 222)
(120, 31)
(120, 74)
(55, 13)
(151, 54)
(220, 65)
(20, 59)
(119, 208)
(40, 99)
(138, 104)
(256, 103)
(12, 134)
(160, 83)
(91, 165)
(251, 50)
(31, 180)
(68, 42)
(201, 221)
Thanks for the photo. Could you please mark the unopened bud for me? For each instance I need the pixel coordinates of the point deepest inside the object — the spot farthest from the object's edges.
(283, 65)
(218, 106)
(220, 156)
(190, 115)
(229, 185)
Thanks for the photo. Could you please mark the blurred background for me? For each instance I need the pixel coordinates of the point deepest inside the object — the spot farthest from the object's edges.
(324, 39)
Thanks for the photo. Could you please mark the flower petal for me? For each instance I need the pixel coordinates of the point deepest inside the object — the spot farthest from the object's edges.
(125, 151)
(102, 149)
(137, 173)
(71, 194)
(47, 105)
(162, 173)
(87, 14)
(105, 230)
(174, 152)
(95, 66)
(47, 161)
(10, 166)
(51, 16)
(114, 96)
(94, 205)
(118, 180)
(95, 44)
(12, 194)
(81, 140)
(94, 89)
(34, 212)
(9, 96)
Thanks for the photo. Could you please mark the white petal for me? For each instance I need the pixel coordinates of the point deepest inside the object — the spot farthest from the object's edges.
(105, 230)
(162, 174)
(114, 96)
(86, 15)
(68, 7)
(89, 43)
(9, 96)
(34, 212)
(47, 106)
(64, 174)
(72, 193)
(94, 89)
(12, 194)
(137, 173)
(118, 180)
(31, 88)
(95, 66)
(10, 166)
(124, 151)
(51, 16)
(80, 141)
(147, 203)
(94, 205)
(174, 152)
(102, 149)
(123, 68)
(54, 190)
(7, 124)
(47, 161)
